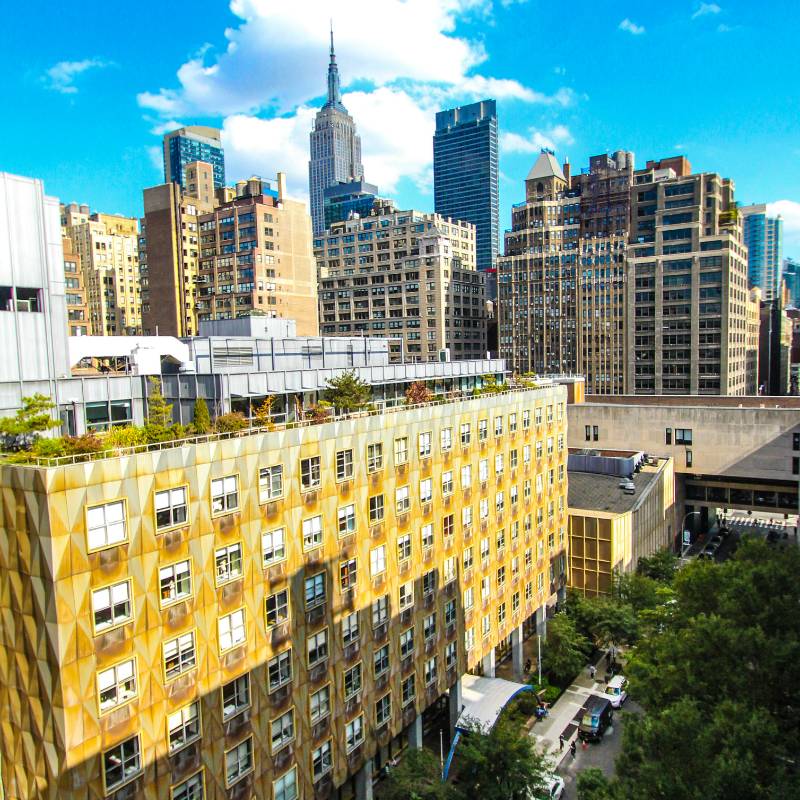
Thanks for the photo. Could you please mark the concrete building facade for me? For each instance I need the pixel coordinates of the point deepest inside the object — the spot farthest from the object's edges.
(403, 274)
(108, 246)
(78, 317)
(269, 614)
(687, 279)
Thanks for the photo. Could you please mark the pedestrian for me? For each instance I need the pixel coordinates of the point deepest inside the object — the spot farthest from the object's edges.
(572, 748)
(592, 671)
(561, 743)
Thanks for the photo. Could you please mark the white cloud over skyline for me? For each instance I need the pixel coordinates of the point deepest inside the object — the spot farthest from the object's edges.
(62, 75)
(631, 27)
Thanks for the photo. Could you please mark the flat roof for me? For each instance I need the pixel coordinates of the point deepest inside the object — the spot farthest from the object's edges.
(707, 401)
(593, 491)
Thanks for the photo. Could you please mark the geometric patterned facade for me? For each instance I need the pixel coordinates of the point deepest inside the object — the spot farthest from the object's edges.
(123, 664)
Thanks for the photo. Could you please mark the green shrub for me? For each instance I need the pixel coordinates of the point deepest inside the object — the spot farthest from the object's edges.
(230, 422)
(125, 436)
(202, 419)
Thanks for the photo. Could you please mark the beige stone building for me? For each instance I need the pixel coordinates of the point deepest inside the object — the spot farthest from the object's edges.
(78, 318)
(609, 530)
(109, 252)
(753, 335)
(268, 615)
(687, 284)
(219, 255)
(403, 274)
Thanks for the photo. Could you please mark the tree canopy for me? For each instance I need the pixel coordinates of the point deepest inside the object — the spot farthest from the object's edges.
(347, 393)
(418, 776)
(565, 649)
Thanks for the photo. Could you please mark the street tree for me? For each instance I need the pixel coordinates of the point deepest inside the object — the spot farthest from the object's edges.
(592, 784)
(565, 649)
(418, 776)
(661, 566)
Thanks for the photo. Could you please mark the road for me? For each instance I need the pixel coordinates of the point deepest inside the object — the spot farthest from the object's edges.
(602, 755)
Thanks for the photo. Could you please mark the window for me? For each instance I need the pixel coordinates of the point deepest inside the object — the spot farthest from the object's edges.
(377, 560)
(348, 574)
(483, 430)
(427, 536)
(381, 660)
(796, 441)
(501, 614)
(466, 434)
(409, 689)
(469, 639)
(375, 509)
(183, 726)
(317, 647)
(526, 419)
(407, 642)
(320, 704)
(232, 630)
(795, 466)
(270, 483)
(448, 527)
(354, 733)
(431, 671)
(429, 627)
(406, 595)
(278, 608)
(526, 454)
(121, 763)
(312, 533)
(116, 685)
(273, 545)
(429, 582)
(426, 490)
(322, 760)
(446, 439)
(315, 593)
(401, 450)
(179, 655)
(425, 444)
(239, 761)
(171, 508)
(383, 710)
(466, 516)
(310, 473)
(279, 670)
(450, 612)
(224, 494)
(229, 563)
(469, 598)
(402, 500)
(466, 476)
(450, 569)
(285, 788)
(380, 611)
(486, 625)
(668, 436)
(344, 465)
(105, 525)
(595, 432)
(176, 582)
(688, 458)
(282, 730)
(350, 628)
(374, 457)
(235, 696)
(450, 655)
(112, 606)
(683, 436)
(404, 547)
(352, 681)
(498, 426)
(192, 788)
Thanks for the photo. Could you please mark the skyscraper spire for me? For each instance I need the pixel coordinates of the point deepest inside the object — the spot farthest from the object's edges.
(334, 93)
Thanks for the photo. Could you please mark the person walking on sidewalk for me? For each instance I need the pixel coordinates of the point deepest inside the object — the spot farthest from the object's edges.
(572, 748)
(561, 743)
(592, 671)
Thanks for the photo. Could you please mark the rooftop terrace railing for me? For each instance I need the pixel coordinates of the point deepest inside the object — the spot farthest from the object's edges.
(379, 408)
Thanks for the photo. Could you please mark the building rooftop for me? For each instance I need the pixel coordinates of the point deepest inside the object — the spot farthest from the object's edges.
(709, 401)
(546, 166)
(592, 491)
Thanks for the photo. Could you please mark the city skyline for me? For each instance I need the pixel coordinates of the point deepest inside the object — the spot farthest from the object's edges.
(264, 93)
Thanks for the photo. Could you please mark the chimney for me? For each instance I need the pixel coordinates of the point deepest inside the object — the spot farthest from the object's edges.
(567, 171)
(281, 185)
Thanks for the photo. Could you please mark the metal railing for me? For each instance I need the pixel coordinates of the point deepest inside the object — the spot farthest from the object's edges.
(379, 408)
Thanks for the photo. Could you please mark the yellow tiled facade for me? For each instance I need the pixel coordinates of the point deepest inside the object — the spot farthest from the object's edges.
(209, 621)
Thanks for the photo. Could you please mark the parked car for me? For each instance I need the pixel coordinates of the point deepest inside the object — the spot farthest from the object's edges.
(596, 719)
(616, 690)
(552, 790)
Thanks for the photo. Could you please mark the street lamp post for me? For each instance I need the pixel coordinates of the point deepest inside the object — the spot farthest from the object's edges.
(684, 546)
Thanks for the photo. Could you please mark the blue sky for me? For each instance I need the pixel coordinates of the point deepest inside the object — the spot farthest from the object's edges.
(716, 81)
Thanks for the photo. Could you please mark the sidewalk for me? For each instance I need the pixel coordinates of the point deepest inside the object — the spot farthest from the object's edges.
(565, 715)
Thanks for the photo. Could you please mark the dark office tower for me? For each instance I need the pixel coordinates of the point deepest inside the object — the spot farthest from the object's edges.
(335, 148)
(465, 173)
(187, 145)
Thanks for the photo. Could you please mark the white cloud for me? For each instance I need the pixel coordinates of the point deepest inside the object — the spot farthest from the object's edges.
(790, 211)
(705, 9)
(61, 76)
(535, 140)
(156, 156)
(400, 65)
(160, 128)
(631, 27)
(723, 28)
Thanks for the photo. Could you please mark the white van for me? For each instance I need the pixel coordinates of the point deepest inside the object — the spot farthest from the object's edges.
(616, 690)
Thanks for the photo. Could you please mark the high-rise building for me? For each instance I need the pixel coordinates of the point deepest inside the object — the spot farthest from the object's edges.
(791, 280)
(189, 144)
(775, 343)
(247, 253)
(78, 319)
(108, 246)
(687, 279)
(537, 276)
(349, 199)
(753, 339)
(465, 173)
(763, 236)
(403, 274)
(335, 147)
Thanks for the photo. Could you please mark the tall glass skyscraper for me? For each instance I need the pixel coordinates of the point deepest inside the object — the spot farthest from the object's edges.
(763, 236)
(193, 143)
(335, 147)
(465, 173)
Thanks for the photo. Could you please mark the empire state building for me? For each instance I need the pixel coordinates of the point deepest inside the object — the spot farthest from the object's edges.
(335, 147)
